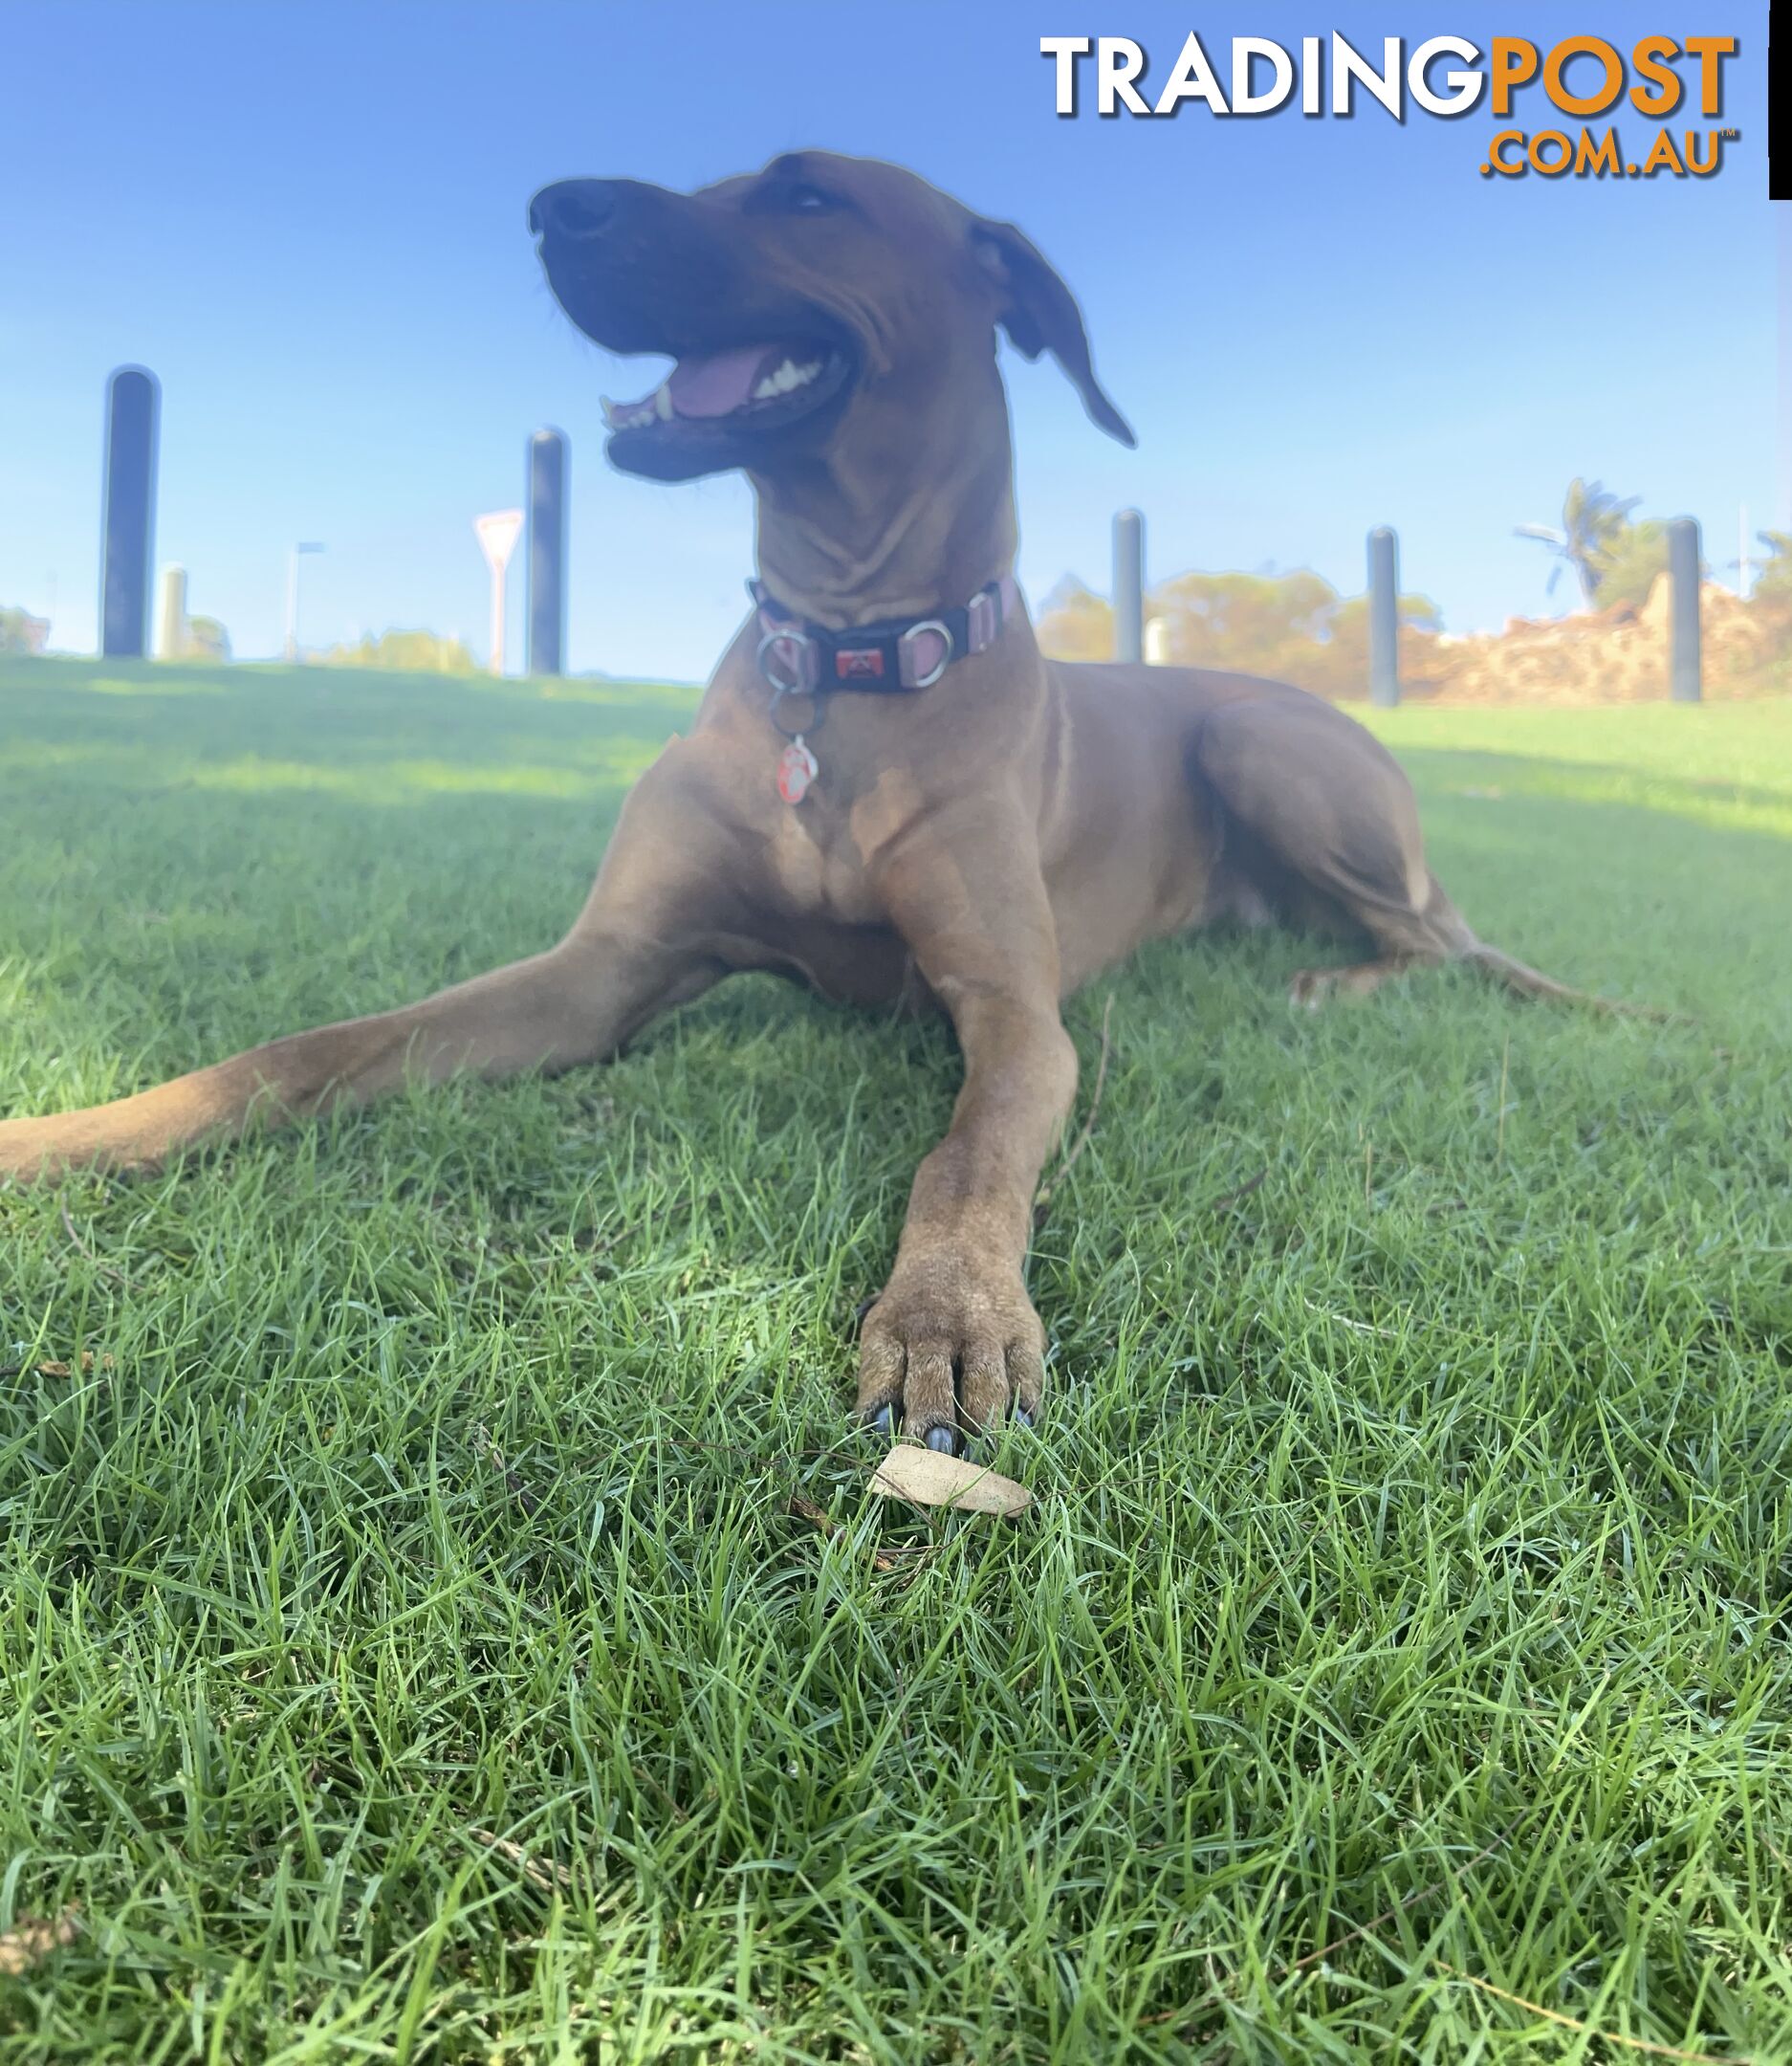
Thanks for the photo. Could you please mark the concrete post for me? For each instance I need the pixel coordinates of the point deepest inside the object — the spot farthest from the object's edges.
(292, 597)
(1384, 617)
(1684, 659)
(128, 515)
(545, 603)
(171, 632)
(1128, 586)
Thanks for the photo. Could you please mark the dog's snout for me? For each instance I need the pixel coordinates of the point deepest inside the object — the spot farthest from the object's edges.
(573, 209)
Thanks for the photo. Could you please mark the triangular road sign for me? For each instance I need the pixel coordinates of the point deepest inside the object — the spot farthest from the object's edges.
(498, 533)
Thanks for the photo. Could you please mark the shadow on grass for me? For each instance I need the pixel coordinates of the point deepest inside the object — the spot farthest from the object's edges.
(374, 741)
(1446, 773)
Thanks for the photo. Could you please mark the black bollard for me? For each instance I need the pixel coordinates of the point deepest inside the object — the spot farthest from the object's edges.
(547, 553)
(1128, 586)
(128, 512)
(1684, 658)
(1383, 618)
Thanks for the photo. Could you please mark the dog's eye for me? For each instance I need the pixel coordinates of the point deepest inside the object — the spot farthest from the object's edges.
(790, 197)
(782, 194)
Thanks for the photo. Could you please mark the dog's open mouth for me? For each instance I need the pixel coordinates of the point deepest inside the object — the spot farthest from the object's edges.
(750, 389)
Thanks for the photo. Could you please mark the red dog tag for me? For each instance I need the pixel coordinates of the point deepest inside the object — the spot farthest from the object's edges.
(796, 768)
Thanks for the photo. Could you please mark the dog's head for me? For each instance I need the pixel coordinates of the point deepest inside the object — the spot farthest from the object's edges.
(792, 299)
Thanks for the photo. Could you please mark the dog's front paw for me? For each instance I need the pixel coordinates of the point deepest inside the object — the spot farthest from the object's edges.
(951, 1345)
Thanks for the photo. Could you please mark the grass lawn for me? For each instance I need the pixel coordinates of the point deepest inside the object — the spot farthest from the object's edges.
(409, 1648)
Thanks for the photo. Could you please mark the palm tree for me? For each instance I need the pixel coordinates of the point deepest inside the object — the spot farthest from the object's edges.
(1774, 581)
(1592, 522)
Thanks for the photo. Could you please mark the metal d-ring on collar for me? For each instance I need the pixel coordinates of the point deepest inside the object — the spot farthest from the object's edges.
(792, 686)
(948, 654)
(784, 635)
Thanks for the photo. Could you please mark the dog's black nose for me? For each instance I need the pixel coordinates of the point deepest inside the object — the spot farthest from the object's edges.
(573, 209)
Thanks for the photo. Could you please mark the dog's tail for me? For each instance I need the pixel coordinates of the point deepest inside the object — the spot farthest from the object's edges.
(1530, 982)
(1449, 935)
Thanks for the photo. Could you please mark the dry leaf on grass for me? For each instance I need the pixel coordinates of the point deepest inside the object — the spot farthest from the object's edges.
(31, 1940)
(932, 1479)
(67, 1370)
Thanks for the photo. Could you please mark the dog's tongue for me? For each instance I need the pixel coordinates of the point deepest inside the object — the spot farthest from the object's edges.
(718, 385)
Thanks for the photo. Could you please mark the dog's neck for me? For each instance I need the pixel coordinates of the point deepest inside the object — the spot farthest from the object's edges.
(897, 519)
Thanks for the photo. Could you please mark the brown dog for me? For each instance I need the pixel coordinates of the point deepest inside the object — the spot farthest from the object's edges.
(965, 823)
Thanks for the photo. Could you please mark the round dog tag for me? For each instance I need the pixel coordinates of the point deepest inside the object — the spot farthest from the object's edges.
(796, 768)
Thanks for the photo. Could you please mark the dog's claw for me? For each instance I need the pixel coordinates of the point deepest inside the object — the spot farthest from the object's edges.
(1023, 1418)
(943, 1439)
(881, 1423)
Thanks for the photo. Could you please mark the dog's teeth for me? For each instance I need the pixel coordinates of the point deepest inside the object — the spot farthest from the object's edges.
(663, 403)
(609, 412)
(788, 376)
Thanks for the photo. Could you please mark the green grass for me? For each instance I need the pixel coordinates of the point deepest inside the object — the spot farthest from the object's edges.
(1406, 1602)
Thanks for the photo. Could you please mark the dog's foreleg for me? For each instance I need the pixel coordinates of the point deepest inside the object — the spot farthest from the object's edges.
(576, 1003)
(631, 955)
(953, 1341)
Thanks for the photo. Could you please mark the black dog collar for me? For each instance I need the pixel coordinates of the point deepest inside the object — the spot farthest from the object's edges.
(892, 658)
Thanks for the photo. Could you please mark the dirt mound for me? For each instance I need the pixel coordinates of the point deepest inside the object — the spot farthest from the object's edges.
(1605, 656)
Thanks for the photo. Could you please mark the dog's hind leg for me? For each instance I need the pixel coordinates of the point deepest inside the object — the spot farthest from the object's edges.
(1334, 818)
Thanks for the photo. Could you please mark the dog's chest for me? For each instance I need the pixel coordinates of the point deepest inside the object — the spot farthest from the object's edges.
(816, 868)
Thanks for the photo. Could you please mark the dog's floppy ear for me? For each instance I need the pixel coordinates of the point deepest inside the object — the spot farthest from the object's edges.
(1040, 314)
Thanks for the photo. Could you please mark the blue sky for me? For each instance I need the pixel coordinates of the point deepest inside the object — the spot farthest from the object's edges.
(309, 220)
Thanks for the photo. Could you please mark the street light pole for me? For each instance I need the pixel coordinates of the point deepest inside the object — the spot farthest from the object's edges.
(292, 598)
